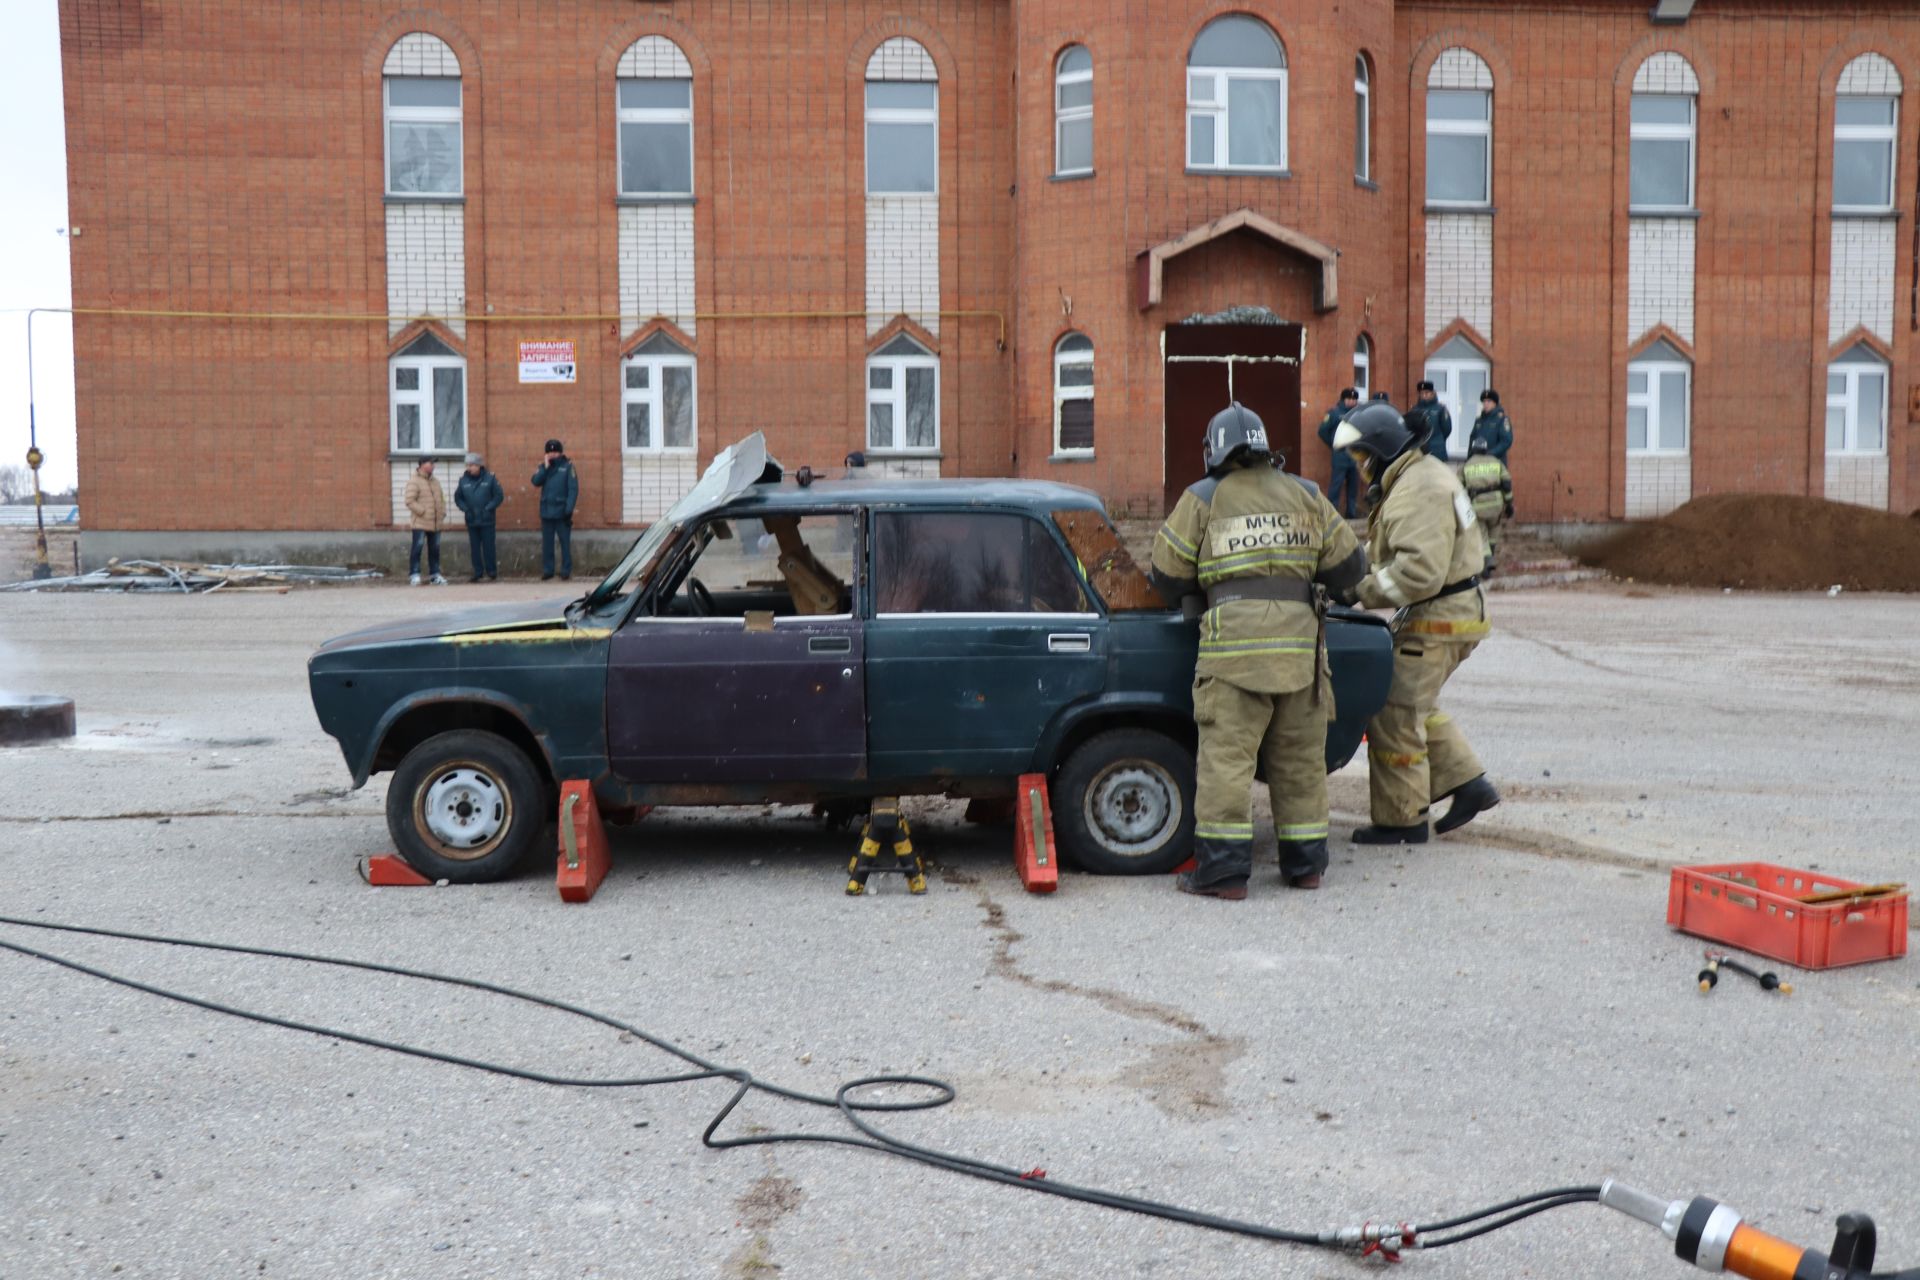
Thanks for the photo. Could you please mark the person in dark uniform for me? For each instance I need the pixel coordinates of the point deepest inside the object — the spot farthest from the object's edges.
(1431, 416)
(1345, 481)
(1492, 426)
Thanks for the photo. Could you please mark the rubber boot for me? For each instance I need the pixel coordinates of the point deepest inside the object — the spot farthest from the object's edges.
(1373, 833)
(1231, 890)
(1469, 799)
(1303, 862)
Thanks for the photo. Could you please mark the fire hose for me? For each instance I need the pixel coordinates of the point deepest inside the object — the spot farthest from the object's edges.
(1707, 1234)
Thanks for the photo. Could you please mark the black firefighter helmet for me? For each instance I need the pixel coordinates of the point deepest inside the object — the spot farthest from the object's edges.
(1377, 429)
(1235, 431)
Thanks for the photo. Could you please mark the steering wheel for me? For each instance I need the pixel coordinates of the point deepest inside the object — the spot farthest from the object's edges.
(700, 597)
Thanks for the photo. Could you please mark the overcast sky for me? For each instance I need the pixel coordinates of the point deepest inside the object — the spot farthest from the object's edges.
(33, 255)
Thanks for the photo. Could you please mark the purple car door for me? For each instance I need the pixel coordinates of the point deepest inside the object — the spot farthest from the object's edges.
(752, 669)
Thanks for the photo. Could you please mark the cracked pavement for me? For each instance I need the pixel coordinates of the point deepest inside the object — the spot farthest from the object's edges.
(1500, 1011)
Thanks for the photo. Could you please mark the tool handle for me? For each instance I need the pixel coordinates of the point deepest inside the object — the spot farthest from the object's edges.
(1759, 1256)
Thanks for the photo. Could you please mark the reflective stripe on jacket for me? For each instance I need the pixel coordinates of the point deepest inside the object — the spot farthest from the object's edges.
(1252, 523)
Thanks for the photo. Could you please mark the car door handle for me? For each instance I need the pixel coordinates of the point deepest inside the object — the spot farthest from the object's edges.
(1069, 642)
(829, 644)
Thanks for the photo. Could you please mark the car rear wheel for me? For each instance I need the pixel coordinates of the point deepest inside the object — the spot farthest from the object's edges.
(1123, 804)
(466, 807)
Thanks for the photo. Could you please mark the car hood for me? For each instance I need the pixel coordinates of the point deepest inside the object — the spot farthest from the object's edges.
(487, 619)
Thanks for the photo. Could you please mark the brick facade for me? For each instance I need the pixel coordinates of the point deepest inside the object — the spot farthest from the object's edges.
(225, 161)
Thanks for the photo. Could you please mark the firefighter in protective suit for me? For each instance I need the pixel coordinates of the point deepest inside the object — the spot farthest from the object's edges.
(1252, 540)
(1427, 553)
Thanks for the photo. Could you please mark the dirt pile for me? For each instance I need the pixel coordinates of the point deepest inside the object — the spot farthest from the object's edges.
(1767, 542)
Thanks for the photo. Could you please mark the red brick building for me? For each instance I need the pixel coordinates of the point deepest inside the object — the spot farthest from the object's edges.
(972, 237)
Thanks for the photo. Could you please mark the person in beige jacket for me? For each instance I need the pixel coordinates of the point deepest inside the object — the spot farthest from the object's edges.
(427, 507)
(1427, 554)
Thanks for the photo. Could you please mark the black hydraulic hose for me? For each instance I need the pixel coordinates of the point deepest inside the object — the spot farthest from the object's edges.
(843, 1099)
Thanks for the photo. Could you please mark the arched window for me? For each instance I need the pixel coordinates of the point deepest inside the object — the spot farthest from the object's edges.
(1663, 122)
(1659, 401)
(654, 105)
(1857, 402)
(903, 398)
(1362, 120)
(903, 120)
(1866, 133)
(427, 397)
(1459, 372)
(1363, 366)
(1460, 130)
(657, 397)
(1073, 395)
(1073, 112)
(1237, 97)
(420, 97)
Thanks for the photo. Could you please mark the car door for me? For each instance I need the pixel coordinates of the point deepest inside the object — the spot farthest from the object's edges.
(982, 632)
(750, 691)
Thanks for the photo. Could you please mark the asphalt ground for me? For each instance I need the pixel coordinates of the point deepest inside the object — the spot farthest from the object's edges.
(1502, 1011)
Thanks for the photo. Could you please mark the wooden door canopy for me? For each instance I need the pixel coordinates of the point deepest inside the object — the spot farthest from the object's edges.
(1151, 263)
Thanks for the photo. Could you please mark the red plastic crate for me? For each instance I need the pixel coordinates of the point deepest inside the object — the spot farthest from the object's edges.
(1754, 906)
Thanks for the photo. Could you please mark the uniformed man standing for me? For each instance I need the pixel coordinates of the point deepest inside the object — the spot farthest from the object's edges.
(1427, 555)
(1430, 414)
(1253, 540)
(1344, 489)
(1492, 426)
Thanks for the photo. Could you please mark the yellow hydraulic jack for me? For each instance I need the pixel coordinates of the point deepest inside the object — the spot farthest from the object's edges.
(887, 828)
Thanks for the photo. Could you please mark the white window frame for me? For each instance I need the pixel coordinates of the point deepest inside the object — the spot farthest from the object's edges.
(1649, 400)
(901, 115)
(423, 397)
(1363, 119)
(1063, 359)
(1482, 129)
(1445, 373)
(392, 115)
(1363, 367)
(1887, 134)
(1216, 109)
(651, 115)
(1687, 133)
(895, 395)
(1064, 115)
(653, 395)
(1850, 368)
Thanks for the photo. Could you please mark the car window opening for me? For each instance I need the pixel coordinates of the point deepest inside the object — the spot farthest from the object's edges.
(785, 565)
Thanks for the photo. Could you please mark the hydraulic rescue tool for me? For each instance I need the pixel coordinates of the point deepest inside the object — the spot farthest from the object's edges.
(886, 828)
(1713, 1237)
(1716, 961)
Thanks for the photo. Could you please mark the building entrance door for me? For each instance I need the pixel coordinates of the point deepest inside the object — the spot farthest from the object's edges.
(1208, 367)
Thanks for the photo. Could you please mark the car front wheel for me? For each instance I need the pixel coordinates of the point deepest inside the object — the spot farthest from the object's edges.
(465, 807)
(1123, 804)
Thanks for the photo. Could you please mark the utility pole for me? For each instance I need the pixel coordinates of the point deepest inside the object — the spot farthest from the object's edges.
(41, 569)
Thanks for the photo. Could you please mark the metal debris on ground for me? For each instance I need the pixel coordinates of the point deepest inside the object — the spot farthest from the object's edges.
(191, 577)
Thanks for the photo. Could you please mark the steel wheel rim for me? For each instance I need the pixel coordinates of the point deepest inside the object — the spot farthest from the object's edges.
(463, 810)
(1133, 807)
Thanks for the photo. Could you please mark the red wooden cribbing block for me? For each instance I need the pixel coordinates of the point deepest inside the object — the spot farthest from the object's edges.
(386, 870)
(584, 857)
(1033, 852)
